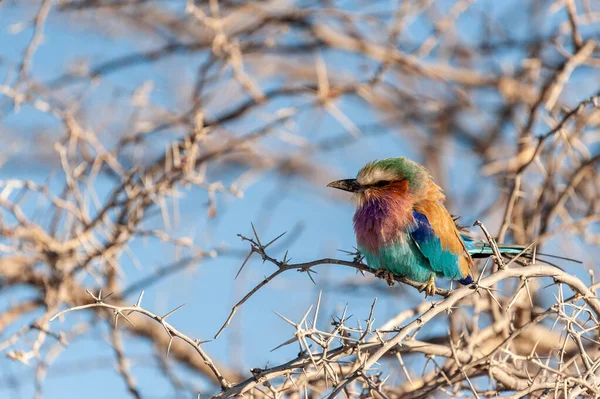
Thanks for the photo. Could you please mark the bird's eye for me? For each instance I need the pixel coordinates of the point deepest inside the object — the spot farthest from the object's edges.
(381, 183)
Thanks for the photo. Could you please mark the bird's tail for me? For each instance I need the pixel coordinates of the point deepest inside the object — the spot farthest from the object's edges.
(481, 249)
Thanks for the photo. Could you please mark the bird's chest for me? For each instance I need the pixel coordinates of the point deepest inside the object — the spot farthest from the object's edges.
(379, 224)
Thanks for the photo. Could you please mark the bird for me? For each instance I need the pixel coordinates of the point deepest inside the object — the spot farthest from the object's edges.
(402, 226)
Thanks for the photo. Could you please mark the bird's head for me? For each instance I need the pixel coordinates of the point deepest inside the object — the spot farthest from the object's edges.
(391, 175)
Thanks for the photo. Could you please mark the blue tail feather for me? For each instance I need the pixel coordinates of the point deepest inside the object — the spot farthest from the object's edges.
(481, 249)
(467, 280)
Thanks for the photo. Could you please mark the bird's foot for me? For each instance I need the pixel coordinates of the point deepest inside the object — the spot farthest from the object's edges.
(428, 287)
(386, 275)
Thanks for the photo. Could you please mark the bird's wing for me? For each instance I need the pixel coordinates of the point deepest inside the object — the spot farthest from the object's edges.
(437, 238)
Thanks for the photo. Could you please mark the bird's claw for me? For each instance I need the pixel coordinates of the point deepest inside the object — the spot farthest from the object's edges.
(428, 287)
(386, 275)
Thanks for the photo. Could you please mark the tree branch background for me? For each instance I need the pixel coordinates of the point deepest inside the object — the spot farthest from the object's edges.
(140, 137)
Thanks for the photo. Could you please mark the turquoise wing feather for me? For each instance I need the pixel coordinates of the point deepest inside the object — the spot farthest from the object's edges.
(441, 260)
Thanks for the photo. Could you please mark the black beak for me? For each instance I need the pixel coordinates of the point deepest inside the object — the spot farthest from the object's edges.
(347, 185)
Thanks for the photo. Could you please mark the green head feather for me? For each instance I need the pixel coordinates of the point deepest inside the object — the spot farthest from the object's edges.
(392, 169)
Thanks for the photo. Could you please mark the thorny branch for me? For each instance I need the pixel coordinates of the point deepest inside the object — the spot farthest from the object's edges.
(172, 332)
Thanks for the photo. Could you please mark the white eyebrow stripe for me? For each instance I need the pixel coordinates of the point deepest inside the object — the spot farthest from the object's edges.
(376, 176)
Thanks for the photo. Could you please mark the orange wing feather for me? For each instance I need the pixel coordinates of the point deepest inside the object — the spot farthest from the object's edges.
(443, 225)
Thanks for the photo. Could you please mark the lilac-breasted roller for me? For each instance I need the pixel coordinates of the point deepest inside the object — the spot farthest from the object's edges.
(402, 226)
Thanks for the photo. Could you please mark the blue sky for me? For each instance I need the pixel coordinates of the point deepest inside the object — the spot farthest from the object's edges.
(322, 218)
